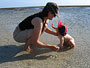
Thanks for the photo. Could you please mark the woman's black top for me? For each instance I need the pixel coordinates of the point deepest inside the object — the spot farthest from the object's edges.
(26, 23)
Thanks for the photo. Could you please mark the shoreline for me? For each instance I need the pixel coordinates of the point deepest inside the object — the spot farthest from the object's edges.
(12, 8)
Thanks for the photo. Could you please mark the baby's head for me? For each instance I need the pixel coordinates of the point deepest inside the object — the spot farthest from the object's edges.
(62, 29)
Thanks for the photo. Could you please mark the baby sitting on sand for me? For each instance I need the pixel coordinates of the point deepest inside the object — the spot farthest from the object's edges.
(65, 39)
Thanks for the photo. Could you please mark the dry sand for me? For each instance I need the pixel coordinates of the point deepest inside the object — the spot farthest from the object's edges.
(12, 54)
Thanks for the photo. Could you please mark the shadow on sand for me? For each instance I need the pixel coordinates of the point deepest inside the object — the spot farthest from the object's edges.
(8, 53)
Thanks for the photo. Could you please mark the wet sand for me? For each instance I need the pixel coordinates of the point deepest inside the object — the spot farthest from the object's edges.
(12, 54)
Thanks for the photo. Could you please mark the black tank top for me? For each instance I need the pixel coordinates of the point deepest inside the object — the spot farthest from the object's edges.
(26, 23)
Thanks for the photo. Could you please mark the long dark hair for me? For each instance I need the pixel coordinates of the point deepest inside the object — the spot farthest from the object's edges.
(50, 6)
(45, 11)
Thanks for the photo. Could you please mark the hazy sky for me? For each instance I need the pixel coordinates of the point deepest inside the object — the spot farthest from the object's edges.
(28, 3)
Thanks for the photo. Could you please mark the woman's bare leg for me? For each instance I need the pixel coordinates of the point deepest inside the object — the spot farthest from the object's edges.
(28, 46)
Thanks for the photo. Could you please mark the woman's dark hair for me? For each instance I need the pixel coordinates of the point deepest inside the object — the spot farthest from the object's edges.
(45, 11)
(50, 6)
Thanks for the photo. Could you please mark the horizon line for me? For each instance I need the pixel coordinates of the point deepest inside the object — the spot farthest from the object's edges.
(43, 6)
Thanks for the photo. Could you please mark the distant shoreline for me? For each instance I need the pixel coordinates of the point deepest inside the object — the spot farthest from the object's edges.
(42, 7)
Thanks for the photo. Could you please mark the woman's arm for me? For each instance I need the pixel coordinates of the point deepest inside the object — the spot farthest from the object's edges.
(47, 30)
(50, 32)
(34, 39)
(54, 27)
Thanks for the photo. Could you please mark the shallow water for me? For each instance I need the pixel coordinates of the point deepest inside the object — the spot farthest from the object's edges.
(78, 21)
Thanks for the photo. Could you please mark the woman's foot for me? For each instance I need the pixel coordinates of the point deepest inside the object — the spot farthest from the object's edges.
(28, 49)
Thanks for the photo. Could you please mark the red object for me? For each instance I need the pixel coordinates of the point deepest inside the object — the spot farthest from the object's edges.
(60, 25)
(52, 24)
(66, 29)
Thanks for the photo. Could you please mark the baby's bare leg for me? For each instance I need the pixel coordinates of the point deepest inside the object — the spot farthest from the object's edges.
(71, 43)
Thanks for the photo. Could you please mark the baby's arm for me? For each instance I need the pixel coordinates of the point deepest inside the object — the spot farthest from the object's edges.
(61, 42)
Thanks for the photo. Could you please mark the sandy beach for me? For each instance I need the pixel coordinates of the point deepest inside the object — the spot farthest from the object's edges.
(12, 54)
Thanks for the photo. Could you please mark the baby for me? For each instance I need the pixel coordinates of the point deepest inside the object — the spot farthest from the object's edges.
(65, 39)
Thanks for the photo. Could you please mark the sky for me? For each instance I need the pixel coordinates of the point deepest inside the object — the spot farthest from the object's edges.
(30, 3)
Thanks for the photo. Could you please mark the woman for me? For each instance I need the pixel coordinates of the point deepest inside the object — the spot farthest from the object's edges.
(30, 29)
